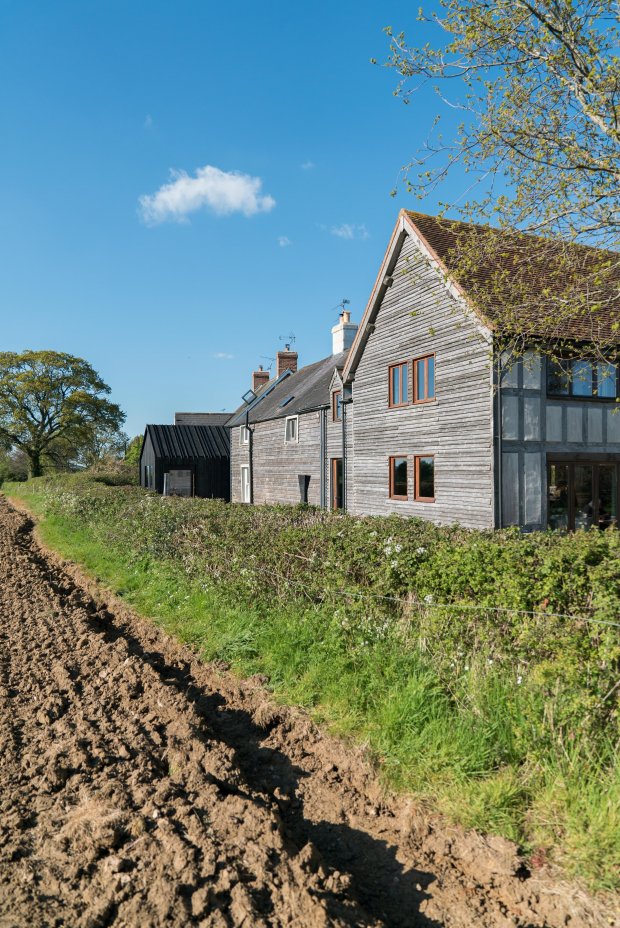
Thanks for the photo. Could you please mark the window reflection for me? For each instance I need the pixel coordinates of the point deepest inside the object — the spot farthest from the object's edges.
(558, 496)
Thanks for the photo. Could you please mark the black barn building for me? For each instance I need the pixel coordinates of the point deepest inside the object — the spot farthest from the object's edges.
(186, 460)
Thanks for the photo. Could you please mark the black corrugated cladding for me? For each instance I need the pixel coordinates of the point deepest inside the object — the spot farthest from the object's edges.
(203, 449)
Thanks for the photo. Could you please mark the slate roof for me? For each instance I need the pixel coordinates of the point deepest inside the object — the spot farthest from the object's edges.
(292, 394)
(201, 418)
(537, 264)
(189, 442)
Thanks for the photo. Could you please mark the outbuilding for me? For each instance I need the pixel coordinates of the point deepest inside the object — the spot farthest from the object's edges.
(186, 460)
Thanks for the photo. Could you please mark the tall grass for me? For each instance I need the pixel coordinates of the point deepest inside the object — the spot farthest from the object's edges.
(504, 725)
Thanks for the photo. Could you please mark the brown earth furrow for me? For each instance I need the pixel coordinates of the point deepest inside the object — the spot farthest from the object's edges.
(139, 787)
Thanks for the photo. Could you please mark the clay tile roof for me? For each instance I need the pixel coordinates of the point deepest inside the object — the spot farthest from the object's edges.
(515, 280)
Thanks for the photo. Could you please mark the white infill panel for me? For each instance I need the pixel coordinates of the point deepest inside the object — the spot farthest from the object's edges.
(531, 418)
(510, 418)
(510, 488)
(554, 422)
(532, 488)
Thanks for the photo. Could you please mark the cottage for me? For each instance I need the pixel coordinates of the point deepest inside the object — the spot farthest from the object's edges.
(418, 412)
(186, 460)
(288, 442)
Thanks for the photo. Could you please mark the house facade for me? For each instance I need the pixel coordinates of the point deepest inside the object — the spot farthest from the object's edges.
(287, 441)
(417, 413)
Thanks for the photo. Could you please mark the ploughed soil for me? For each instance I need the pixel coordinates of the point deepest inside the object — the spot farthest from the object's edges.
(140, 787)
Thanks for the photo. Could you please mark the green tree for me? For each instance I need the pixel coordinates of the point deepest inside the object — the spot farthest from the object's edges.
(536, 84)
(132, 454)
(52, 403)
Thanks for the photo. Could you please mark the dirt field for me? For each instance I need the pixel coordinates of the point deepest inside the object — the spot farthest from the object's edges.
(139, 787)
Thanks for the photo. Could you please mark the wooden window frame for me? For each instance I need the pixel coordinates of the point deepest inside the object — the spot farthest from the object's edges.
(391, 403)
(397, 457)
(414, 365)
(336, 405)
(416, 493)
(287, 440)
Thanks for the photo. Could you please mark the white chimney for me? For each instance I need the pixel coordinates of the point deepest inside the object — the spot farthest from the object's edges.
(343, 333)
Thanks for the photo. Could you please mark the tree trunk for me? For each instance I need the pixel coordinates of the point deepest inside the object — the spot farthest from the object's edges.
(36, 470)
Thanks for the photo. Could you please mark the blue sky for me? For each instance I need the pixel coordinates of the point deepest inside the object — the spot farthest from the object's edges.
(102, 99)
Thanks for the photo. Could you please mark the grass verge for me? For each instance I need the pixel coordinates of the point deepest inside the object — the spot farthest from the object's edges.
(455, 726)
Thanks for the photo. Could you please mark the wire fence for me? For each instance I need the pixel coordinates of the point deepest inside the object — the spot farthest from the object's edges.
(431, 605)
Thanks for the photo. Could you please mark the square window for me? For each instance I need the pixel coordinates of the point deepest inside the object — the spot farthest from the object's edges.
(291, 430)
(398, 477)
(425, 478)
(398, 394)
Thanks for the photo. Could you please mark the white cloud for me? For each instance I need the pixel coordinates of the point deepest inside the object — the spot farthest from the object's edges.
(283, 241)
(307, 165)
(223, 356)
(223, 192)
(148, 121)
(350, 231)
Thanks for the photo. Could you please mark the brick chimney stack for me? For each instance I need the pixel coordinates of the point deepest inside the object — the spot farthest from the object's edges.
(259, 378)
(286, 360)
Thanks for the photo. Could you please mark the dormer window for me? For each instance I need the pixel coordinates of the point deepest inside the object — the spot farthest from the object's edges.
(291, 430)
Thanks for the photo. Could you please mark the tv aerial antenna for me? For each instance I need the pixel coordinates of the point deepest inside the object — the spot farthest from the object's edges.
(265, 357)
(288, 339)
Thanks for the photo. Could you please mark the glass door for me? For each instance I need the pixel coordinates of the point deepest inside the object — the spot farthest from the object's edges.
(582, 494)
(245, 484)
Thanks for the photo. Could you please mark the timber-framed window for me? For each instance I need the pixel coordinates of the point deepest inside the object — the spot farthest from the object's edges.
(398, 477)
(291, 430)
(336, 405)
(398, 384)
(583, 379)
(424, 379)
(424, 491)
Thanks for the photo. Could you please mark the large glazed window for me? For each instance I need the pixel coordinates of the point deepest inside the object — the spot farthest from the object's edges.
(579, 378)
(399, 384)
(582, 494)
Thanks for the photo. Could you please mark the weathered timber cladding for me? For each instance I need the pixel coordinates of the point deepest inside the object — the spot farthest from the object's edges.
(277, 464)
(419, 316)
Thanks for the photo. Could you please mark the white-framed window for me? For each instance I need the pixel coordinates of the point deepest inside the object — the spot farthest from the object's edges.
(244, 435)
(245, 483)
(291, 430)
